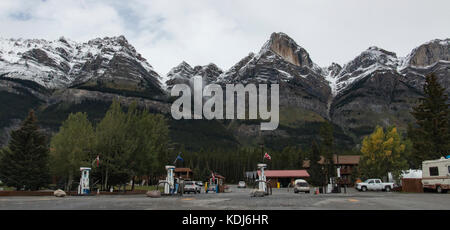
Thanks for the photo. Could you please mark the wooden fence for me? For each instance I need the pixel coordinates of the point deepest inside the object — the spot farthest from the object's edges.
(412, 185)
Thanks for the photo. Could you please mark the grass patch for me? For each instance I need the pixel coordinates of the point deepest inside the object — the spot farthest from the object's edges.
(145, 187)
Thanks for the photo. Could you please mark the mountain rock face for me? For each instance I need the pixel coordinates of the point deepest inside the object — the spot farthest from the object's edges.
(379, 88)
(430, 53)
(182, 74)
(375, 88)
(44, 75)
(431, 57)
(304, 91)
(104, 64)
(284, 62)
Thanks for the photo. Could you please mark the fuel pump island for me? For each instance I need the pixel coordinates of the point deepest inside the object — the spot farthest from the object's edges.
(264, 187)
(172, 186)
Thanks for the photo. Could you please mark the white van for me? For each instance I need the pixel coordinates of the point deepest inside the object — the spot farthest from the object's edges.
(301, 186)
(436, 175)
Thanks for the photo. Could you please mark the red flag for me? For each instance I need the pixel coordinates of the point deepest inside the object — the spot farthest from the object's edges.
(267, 156)
(98, 160)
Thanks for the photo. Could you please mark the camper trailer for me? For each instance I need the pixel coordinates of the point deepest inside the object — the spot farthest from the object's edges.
(436, 175)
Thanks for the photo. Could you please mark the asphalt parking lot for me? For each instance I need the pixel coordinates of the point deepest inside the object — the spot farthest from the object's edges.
(236, 199)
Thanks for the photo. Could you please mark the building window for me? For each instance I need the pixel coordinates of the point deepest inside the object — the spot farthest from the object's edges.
(434, 171)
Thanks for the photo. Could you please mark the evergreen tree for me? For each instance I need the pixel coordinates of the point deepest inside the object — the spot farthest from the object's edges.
(327, 148)
(25, 163)
(315, 171)
(300, 158)
(431, 135)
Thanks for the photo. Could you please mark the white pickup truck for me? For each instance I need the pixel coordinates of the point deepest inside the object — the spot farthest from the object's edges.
(374, 185)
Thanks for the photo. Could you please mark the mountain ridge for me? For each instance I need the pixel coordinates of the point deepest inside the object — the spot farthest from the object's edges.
(374, 88)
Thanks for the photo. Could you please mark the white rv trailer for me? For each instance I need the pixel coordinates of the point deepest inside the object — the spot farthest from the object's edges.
(436, 175)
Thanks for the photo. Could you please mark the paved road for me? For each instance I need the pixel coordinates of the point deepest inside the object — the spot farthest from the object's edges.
(238, 199)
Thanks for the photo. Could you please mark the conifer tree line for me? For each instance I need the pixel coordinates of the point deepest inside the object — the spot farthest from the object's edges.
(428, 138)
(233, 164)
(24, 163)
(128, 144)
(133, 143)
(430, 134)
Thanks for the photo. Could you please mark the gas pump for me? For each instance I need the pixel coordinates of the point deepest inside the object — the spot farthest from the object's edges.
(83, 187)
(171, 186)
(263, 186)
(213, 185)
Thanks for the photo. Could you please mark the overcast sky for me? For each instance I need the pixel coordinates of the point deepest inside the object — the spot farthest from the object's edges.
(167, 32)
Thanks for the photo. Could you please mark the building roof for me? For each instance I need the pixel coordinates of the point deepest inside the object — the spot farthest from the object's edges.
(182, 170)
(285, 173)
(343, 160)
(217, 176)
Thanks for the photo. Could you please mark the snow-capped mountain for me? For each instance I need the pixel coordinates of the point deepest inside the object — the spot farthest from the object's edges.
(379, 88)
(280, 59)
(367, 62)
(376, 59)
(375, 88)
(182, 74)
(64, 63)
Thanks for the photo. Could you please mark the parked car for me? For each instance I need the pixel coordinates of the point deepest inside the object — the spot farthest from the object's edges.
(242, 184)
(190, 186)
(301, 186)
(436, 175)
(374, 185)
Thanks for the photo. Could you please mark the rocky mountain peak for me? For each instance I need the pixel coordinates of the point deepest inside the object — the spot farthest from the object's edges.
(182, 73)
(182, 70)
(284, 46)
(372, 57)
(64, 63)
(334, 69)
(430, 53)
(209, 72)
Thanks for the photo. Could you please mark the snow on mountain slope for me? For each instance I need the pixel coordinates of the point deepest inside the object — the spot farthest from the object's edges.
(280, 59)
(182, 74)
(368, 62)
(62, 63)
(421, 59)
(182, 71)
(331, 72)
